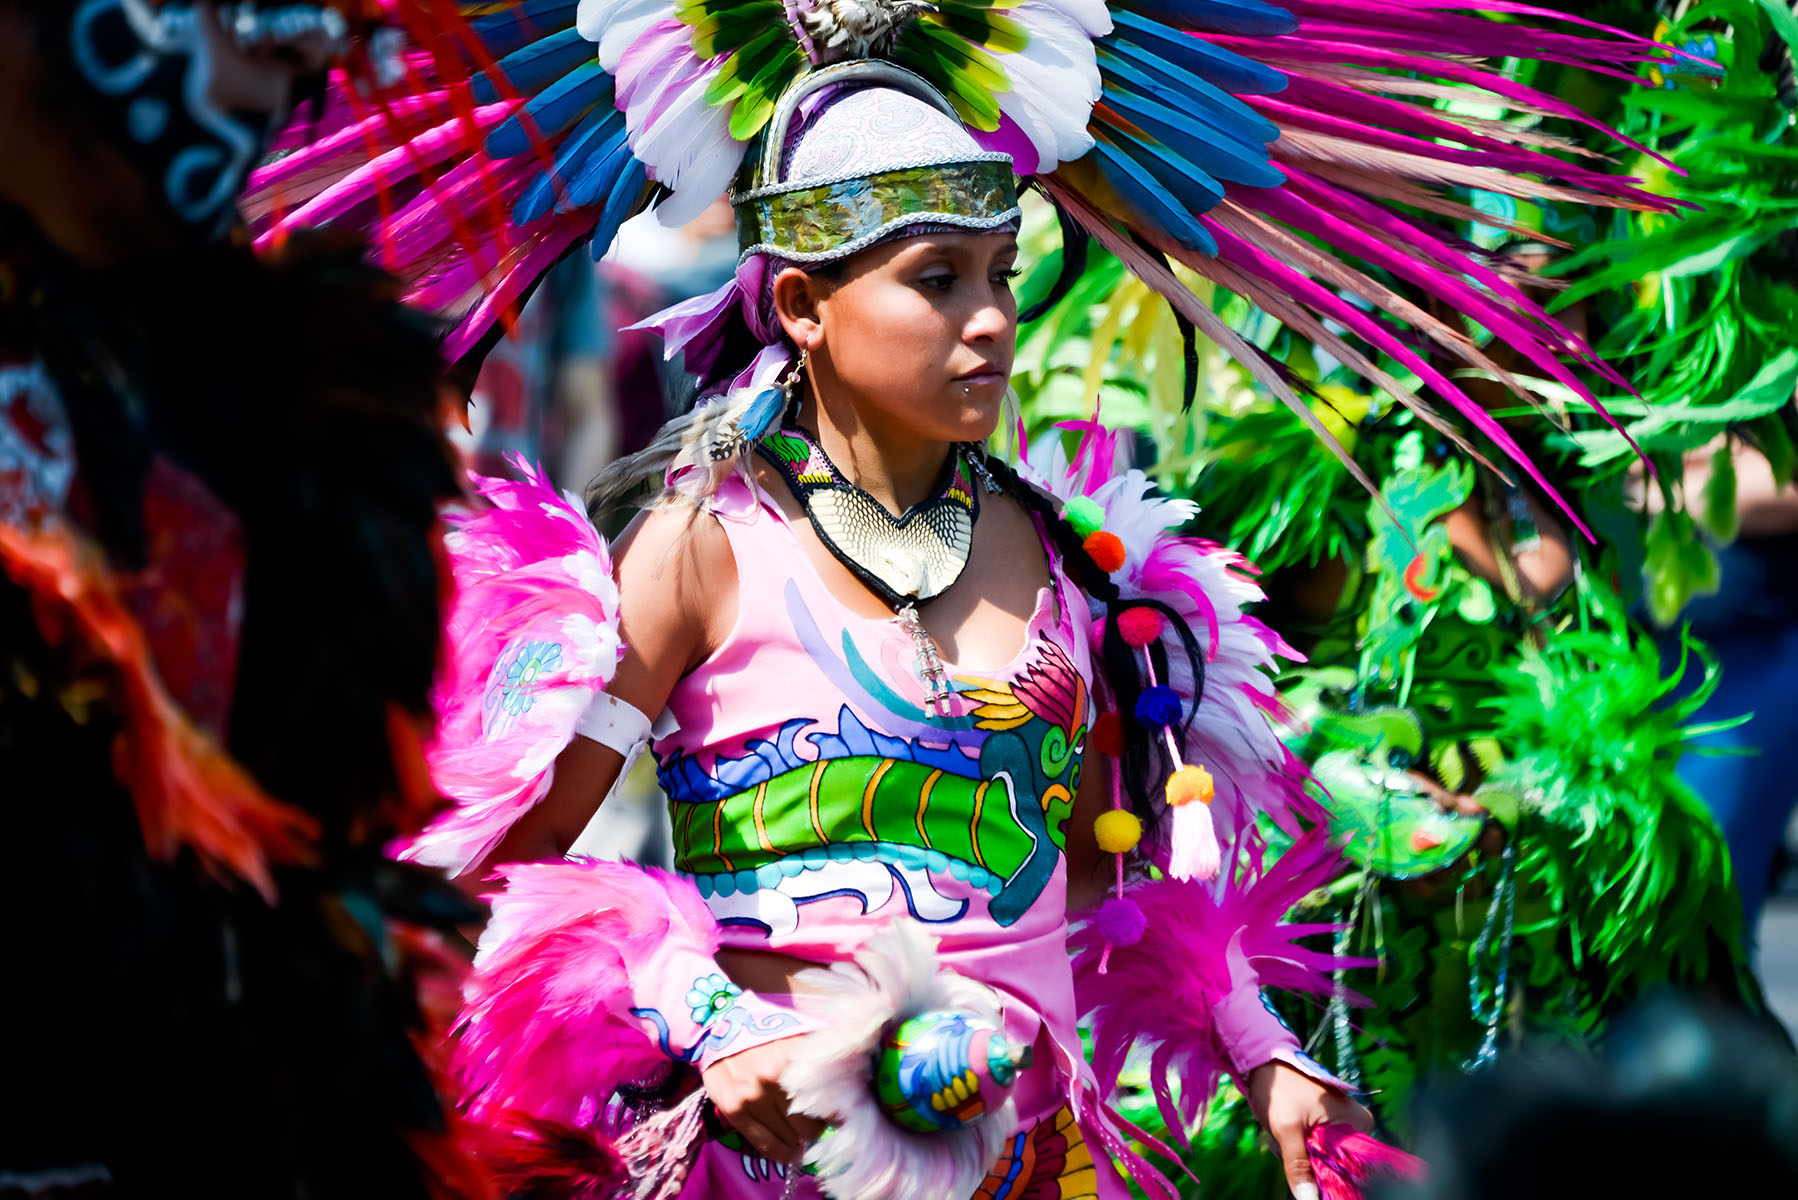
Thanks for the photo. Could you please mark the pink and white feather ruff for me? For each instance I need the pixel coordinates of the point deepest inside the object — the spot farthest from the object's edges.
(1209, 586)
(532, 637)
(830, 1075)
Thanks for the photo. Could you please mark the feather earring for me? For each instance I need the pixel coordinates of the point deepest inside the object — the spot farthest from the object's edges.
(762, 410)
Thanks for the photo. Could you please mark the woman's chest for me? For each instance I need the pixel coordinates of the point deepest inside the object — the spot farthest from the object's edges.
(850, 784)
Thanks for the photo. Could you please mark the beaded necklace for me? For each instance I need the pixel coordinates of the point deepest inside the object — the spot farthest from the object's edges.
(905, 560)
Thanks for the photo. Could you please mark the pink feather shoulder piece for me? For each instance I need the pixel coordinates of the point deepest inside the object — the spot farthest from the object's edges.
(532, 637)
(1209, 586)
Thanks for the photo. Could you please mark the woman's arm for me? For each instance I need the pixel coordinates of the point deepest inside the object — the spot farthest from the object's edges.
(1543, 568)
(1287, 1102)
(677, 585)
(1091, 871)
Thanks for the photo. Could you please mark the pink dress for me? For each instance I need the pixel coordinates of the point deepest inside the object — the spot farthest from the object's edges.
(815, 797)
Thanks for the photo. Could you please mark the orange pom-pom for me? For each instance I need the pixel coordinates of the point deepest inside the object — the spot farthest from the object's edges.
(1106, 551)
(1190, 783)
(1108, 734)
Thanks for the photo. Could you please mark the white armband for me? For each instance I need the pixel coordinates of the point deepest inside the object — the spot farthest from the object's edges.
(614, 724)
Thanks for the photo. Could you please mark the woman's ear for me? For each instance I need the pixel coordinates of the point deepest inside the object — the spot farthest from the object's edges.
(796, 306)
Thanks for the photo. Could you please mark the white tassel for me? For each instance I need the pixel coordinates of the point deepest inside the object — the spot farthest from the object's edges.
(1192, 844)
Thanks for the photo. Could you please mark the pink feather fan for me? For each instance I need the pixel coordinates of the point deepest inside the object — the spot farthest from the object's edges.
(546, 1029)
(1346, 1161)
(531, 638)
(1201, 940)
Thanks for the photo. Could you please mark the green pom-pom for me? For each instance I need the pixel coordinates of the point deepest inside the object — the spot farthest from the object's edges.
(1085, 515)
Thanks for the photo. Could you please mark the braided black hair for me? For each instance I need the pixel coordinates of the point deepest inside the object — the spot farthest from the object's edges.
(1144, 761)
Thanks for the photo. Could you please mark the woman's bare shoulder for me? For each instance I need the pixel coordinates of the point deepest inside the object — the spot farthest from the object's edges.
(675, 570)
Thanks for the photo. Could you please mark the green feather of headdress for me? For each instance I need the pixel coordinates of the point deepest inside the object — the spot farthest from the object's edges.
(980, 25)
(760, 67)
(967, 75)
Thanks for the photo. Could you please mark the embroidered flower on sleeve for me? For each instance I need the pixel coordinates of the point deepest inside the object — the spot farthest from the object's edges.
(710, 996)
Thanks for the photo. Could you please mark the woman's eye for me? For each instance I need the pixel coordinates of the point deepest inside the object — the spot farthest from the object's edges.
(1006, 277)
(939, 283)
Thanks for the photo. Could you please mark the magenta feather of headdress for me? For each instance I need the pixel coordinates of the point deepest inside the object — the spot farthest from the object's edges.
(531, 638)
(1209, 586)
(546, 1027)
(1201, 939)
(1296, 154)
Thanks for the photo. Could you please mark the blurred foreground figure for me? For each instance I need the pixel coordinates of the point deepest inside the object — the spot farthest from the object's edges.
(219, 479)
(1682, 1100)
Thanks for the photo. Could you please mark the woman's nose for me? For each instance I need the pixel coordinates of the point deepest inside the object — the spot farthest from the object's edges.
(989, 321)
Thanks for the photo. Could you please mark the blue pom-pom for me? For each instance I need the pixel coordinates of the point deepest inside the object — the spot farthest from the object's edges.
(1158, 706)
(1121, 922)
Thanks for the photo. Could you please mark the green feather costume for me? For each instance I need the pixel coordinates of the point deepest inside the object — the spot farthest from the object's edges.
(1556, 715)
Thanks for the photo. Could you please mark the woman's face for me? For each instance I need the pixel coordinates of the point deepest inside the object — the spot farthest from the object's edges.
(918, 334)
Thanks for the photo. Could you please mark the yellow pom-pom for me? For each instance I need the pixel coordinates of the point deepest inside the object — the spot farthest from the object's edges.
(1118, 831)
(1190, 783)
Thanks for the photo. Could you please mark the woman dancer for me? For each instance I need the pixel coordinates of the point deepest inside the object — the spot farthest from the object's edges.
(870, 717)
(900, 780)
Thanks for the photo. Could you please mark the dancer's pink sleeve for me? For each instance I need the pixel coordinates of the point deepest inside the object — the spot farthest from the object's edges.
(1189, 991)
(530, 643)
(594, 977)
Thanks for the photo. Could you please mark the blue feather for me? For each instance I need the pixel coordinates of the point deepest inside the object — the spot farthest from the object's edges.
(1157, 77)
(1152, 200)
(1225, 158)
(590, 137)
(556, 110)
(762, 412)
(596, 176)
(535, 67)
(1227, 70)
(1245, 18)
(503, 32)
(623, 202)
(1196, 190)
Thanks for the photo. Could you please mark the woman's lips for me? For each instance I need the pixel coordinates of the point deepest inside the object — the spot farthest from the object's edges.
(983, 377)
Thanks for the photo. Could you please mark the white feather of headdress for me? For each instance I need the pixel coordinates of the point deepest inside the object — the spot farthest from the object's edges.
(1093, 16)
(830, 1076)
(688, 148)
(1054, 83)
(613, 25)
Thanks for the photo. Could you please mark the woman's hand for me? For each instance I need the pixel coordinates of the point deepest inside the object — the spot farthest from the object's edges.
(1290, 1104)
(745, 1089)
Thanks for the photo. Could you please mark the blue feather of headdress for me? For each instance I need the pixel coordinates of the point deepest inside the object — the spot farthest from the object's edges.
(621, 204)
(595, 135)
(510, 29)
(1246, 18)
(1226, 69)
(536, 66)
(1158, 77)
(555, 111)
(1225, 158)
(594, 179)
(1152, 199)
(1186, 182)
